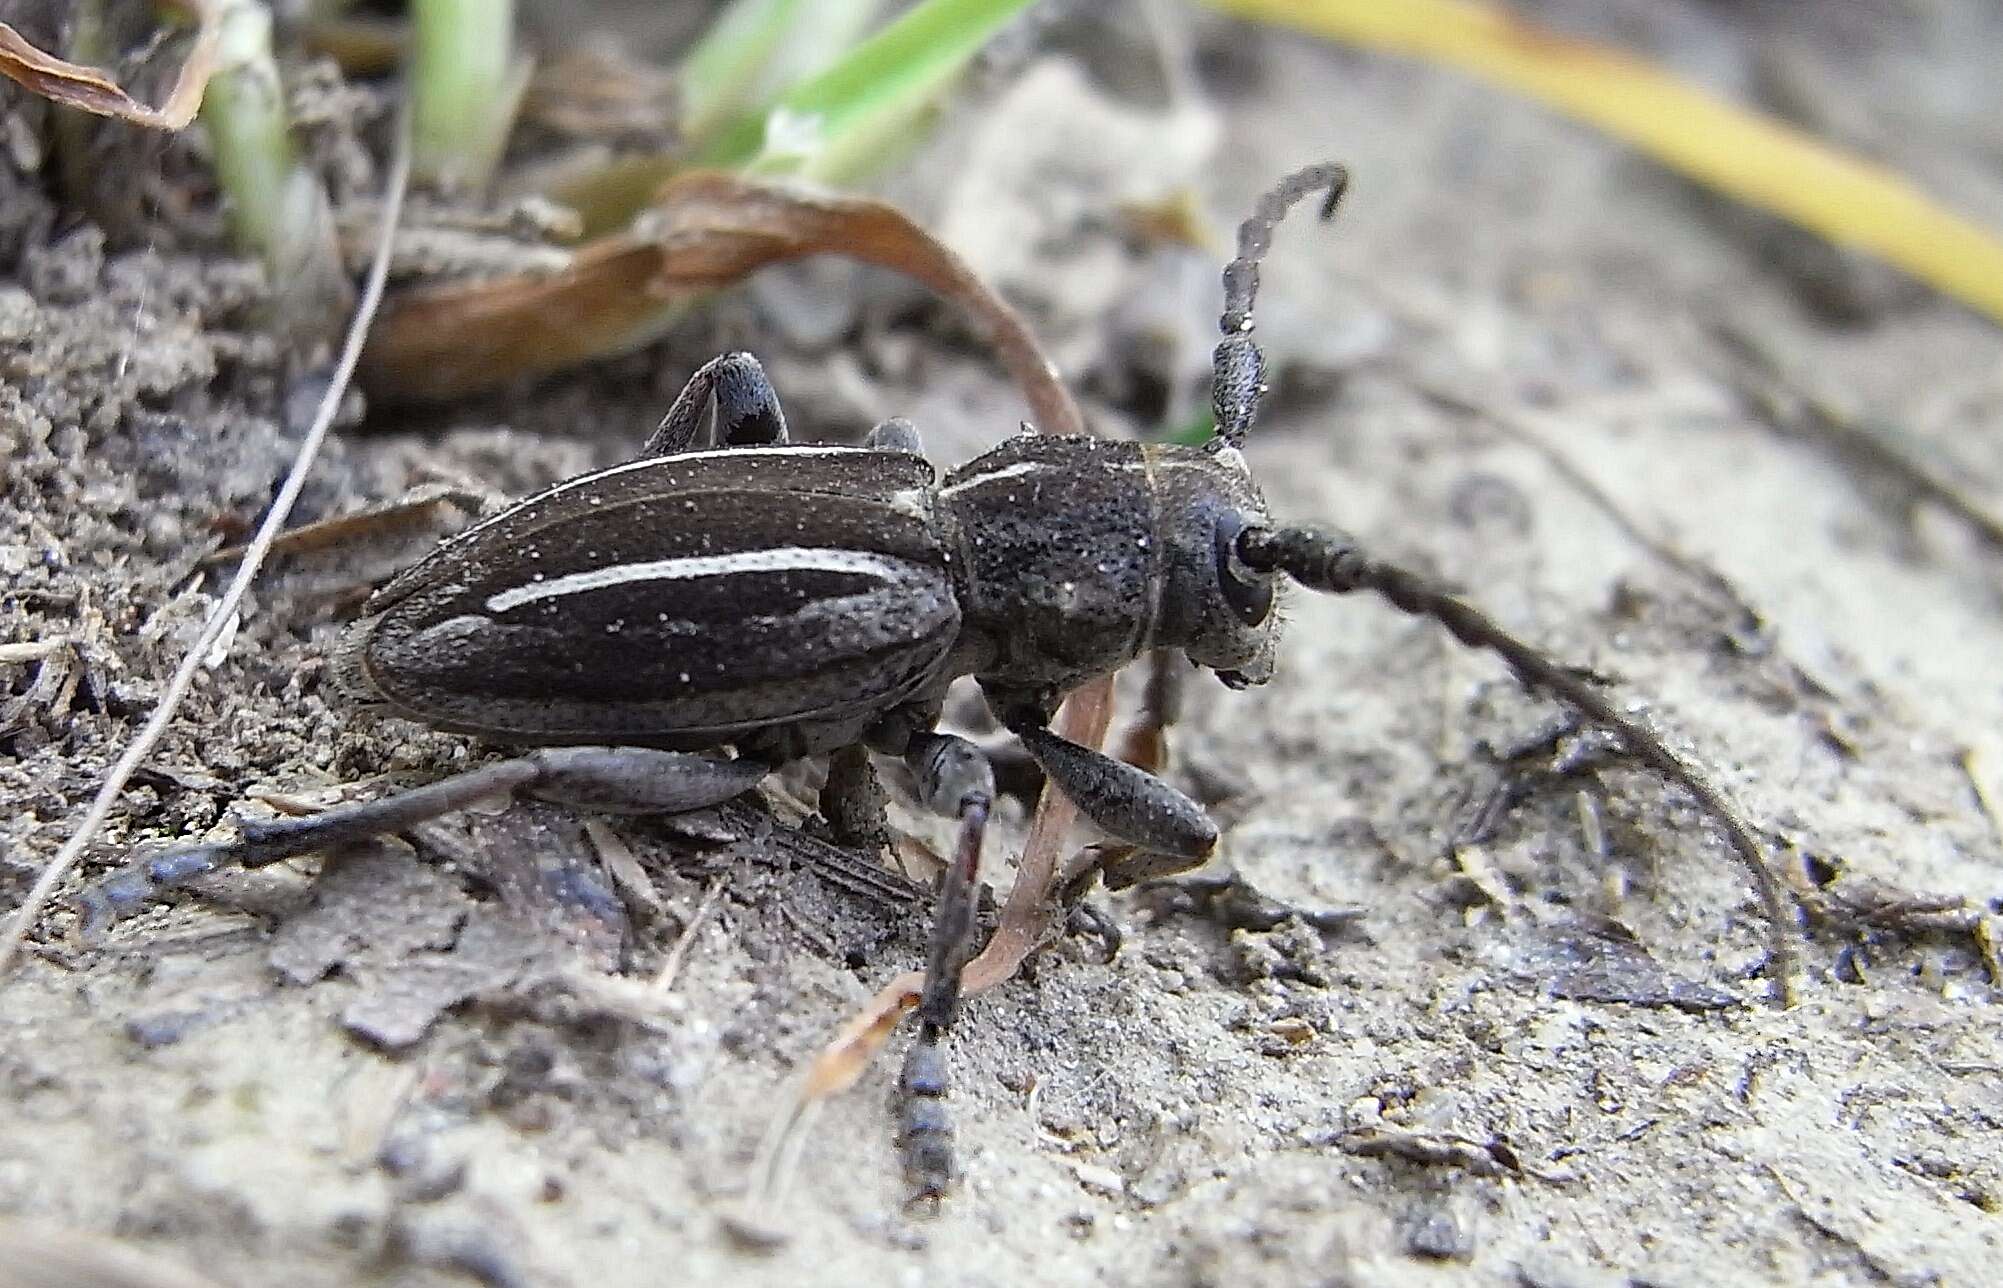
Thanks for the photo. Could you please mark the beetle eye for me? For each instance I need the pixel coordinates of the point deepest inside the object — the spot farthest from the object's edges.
(1249, 594)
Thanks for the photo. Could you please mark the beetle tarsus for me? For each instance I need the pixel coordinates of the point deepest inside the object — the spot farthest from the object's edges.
(925, 1129)
(925, 1132)
(1085, 920)
(953, 776)
(128, 889)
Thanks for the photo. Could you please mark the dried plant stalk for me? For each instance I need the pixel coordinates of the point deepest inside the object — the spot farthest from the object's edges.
(705, 230)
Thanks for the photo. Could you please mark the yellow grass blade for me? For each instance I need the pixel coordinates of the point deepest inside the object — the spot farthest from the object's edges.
(1760, 161)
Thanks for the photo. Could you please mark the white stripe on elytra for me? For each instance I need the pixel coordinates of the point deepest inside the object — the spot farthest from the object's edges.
(691, 567)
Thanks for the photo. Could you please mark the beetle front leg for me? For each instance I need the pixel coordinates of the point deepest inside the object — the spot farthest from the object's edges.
(953, 778)
(1171, 832)
(624, 780)
(747, 408)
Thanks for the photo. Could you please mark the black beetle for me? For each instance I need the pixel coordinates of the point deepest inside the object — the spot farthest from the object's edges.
(783, 600)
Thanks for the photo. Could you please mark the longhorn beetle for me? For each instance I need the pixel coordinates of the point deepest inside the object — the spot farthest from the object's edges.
(783, 601)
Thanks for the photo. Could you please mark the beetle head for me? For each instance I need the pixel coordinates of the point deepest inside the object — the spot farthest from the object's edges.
(1217, 608)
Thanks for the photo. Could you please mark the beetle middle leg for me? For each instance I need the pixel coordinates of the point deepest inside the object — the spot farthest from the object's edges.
(1170, 830)
(953, 778)
(1146, 742)
(625, 780)
(852, 801)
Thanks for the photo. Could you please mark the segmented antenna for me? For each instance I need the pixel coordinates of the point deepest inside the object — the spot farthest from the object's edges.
(1238, 368)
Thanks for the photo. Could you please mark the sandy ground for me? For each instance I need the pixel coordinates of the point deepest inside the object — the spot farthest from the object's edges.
(1538, 1058)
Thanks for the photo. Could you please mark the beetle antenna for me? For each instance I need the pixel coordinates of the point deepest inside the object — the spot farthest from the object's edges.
(1238, 368)
(1332, 562)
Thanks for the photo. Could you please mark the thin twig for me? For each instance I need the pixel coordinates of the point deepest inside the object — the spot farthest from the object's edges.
(224, 614)
(32, 650)
(320, 534)
(665, 979)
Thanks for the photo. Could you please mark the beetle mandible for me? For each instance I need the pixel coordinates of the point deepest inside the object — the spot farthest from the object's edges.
(784, 601)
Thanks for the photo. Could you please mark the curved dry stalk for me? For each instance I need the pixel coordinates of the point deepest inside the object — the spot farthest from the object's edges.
(1748, 156)
(223, 617)
(705, 230)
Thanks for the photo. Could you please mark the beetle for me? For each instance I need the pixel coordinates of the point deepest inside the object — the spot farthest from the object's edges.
(666, 632)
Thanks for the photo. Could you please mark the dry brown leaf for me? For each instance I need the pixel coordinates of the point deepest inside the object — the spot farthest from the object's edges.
(705, 230)
(90, 90)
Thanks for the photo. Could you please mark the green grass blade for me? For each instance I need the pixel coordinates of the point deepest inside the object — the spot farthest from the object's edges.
(1194, 432)
(465, 86)
(277, 206)
(720, 75)
(840, 122)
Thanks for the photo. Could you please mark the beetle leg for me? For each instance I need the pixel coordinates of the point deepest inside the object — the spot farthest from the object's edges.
(1172, 831)
(627, 780)
(640, 780)
(953, 778)
(747, 408)
(852, 802)
(895, 435)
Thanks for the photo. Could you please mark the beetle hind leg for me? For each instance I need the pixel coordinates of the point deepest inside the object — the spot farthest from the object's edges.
(626, 780)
